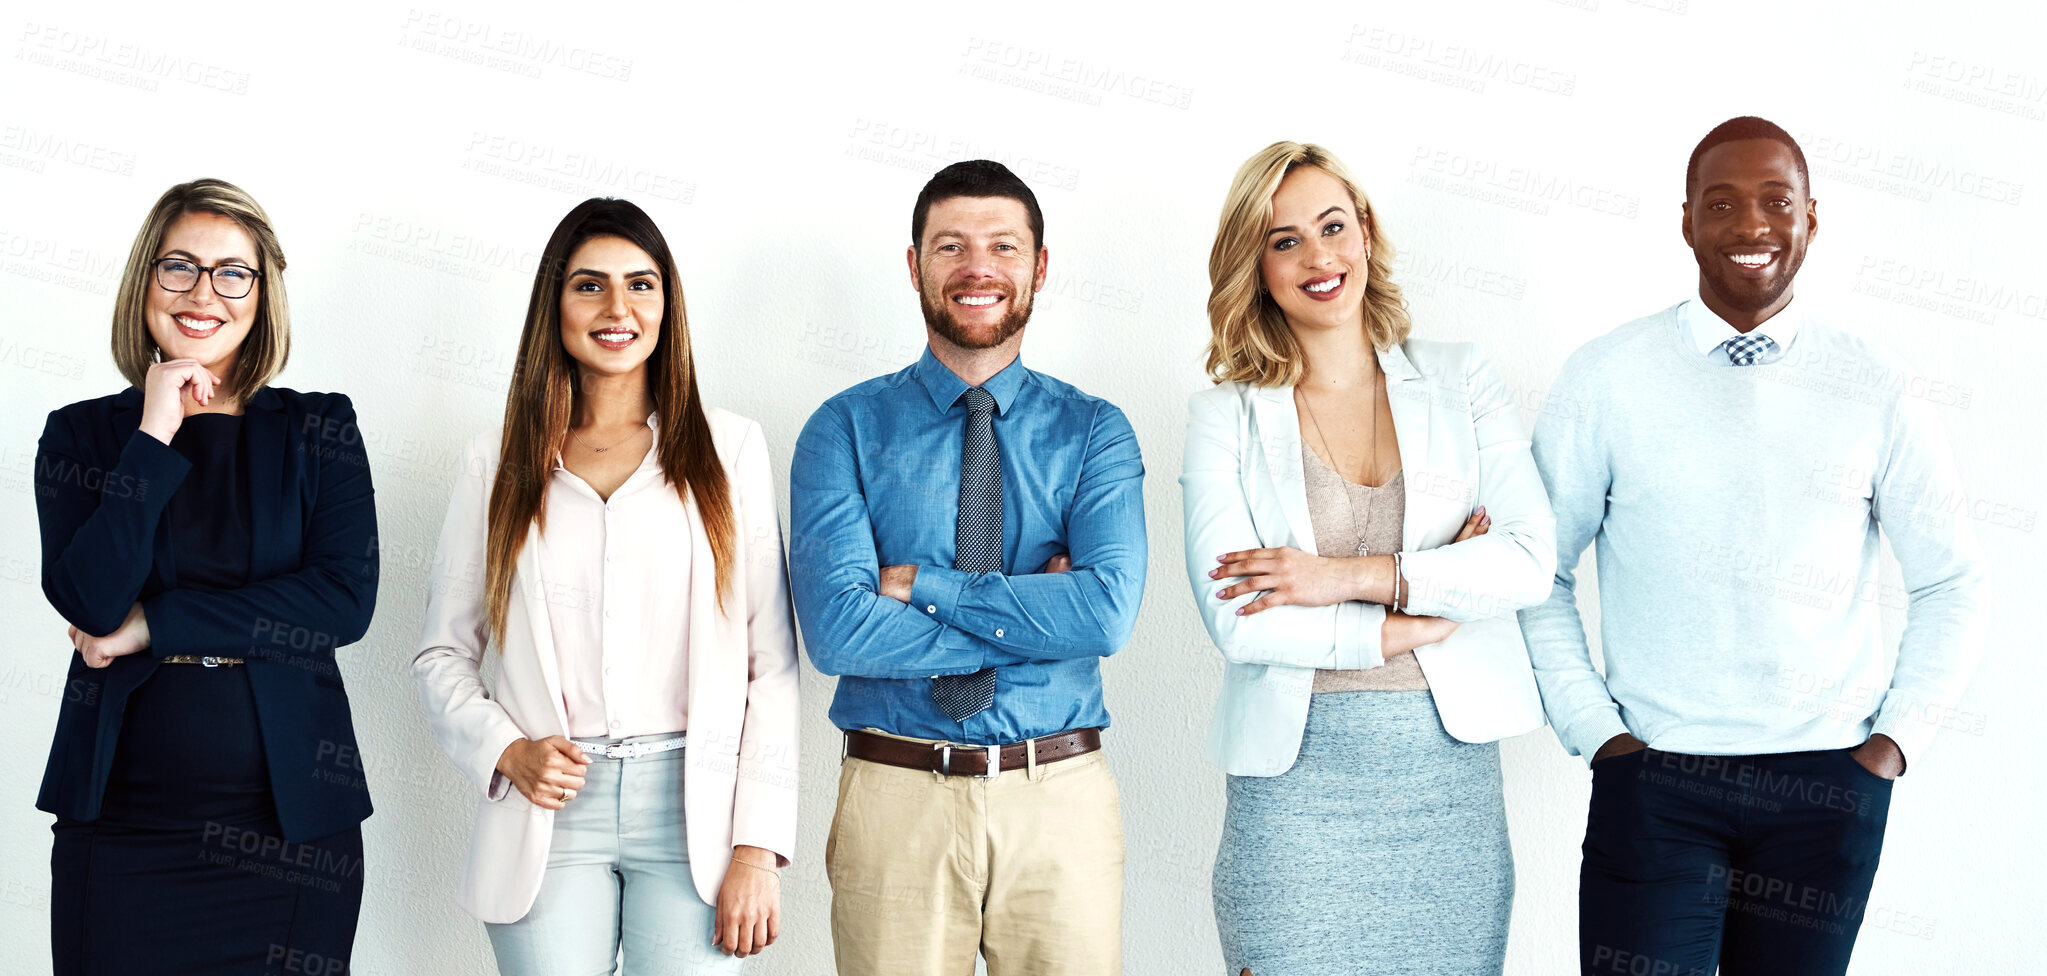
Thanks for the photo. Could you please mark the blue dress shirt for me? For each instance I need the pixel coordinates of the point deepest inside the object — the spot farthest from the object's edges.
(875, 482)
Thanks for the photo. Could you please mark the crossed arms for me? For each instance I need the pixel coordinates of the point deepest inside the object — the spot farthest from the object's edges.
(958, 622)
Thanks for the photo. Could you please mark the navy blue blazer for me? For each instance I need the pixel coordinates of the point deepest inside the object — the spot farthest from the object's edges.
(101, 490)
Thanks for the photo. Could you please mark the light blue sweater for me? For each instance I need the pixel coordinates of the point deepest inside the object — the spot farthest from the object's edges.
(1736, 513)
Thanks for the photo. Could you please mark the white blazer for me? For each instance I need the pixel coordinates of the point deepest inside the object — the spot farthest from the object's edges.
(1462, 445)
(740, 765)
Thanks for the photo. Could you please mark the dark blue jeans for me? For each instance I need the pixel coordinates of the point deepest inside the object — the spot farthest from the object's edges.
(1753, 864)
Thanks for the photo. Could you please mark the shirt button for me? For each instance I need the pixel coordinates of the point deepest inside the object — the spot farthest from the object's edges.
(607, 615)
(933, 608)
(998, 632)
(607, 669)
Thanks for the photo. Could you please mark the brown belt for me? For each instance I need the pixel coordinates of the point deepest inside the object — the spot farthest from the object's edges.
(953, 760)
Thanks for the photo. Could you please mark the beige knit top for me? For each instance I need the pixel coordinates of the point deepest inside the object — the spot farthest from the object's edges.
(1375, 514)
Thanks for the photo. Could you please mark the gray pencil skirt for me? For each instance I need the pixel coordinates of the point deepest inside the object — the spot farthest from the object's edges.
(1383, 850)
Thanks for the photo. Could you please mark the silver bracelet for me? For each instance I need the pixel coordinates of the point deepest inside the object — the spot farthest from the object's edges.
(1399, 577)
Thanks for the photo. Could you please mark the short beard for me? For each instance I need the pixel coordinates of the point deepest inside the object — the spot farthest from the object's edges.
(938, 316)
(1794, 258)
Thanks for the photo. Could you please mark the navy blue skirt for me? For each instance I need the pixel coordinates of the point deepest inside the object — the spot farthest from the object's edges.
(186, 869)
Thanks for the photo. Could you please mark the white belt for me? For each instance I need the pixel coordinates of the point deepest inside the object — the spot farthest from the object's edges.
(599, 749)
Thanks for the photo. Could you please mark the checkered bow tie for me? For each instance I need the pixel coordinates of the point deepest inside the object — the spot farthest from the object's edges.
(1746, 350)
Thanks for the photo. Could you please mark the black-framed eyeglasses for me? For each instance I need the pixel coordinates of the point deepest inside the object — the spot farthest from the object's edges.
(182, 274)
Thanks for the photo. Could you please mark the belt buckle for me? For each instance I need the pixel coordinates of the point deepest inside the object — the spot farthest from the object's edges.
(944, 750)
(994, 762)
(209, 661)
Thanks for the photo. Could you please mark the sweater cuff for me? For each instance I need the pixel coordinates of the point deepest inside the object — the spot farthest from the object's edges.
(1911, 732)
(1592, 729)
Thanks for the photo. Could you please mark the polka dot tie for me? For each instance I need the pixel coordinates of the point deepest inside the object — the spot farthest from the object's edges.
(1745, 350)
(977, 542)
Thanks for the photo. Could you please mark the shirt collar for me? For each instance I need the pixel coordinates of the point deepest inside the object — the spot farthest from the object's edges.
(945, 386)
(1708, 331)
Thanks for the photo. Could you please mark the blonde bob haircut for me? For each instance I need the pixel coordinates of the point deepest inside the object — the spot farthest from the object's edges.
(1248, 339)
(263, 351)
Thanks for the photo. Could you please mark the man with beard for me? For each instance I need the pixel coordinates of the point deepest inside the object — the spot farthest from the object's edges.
(966, 544)
(1734, 459)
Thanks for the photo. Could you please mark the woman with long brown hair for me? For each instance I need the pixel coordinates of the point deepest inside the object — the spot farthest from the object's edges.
(635, 760)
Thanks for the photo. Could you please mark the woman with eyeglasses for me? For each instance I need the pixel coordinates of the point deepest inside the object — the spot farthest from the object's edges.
(634, 758)
(211, 540)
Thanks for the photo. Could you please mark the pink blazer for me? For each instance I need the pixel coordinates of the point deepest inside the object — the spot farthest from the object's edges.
(740, 772)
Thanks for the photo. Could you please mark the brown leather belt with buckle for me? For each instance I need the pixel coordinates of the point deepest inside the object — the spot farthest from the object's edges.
(203, 660)
(955, 760)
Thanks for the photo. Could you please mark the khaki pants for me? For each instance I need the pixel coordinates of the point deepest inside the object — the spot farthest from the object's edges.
(1027, 868)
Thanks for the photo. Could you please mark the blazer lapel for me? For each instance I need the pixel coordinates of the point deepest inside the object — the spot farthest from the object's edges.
(707, 625)
(1409, 398)
(1278, 445)
(534, 592)
(273, 512)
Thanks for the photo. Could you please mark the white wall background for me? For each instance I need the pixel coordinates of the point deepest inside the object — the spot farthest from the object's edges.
(416, 157)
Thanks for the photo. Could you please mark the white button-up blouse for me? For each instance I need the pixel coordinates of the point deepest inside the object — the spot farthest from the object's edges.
(617, 574)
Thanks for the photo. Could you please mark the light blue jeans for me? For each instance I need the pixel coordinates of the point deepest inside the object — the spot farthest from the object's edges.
(617, 879)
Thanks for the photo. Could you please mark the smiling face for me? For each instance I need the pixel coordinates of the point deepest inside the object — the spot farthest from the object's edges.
(1748, 223)
(1315, 261)
(976, 270)
(199, 324)
(611, 306)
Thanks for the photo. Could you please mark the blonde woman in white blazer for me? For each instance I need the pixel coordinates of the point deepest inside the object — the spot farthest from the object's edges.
(1363, 519)
(635, 757)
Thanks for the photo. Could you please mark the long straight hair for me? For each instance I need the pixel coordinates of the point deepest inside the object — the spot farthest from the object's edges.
(1249, 340)
(542, 402)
